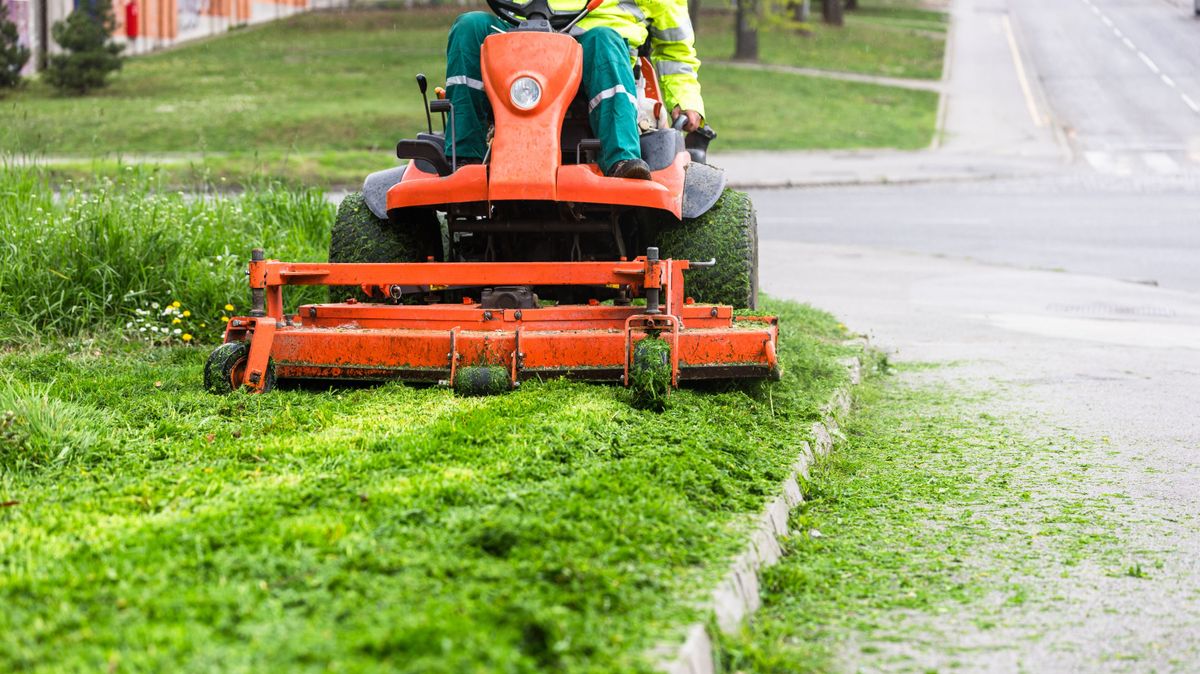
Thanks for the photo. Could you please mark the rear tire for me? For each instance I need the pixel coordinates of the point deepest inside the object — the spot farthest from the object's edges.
(728, 232)
(413, 235)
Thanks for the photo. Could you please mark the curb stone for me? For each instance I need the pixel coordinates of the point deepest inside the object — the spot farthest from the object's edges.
(736, 597)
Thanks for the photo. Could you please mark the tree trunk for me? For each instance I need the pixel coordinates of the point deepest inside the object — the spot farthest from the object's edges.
(832, 12)
(694, 11)
(850, 5)
(746, 42)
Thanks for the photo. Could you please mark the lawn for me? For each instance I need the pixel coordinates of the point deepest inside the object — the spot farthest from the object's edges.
(892, 41)
(321, 99)
(146, 525)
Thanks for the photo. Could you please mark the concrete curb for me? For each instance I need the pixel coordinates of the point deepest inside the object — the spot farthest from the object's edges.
(736, 597)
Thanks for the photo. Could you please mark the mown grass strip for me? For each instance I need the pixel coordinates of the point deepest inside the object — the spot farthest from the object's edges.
(160, 528)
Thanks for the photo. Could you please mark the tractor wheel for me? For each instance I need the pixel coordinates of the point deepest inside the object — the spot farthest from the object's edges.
(650, 374)
(226, 367)
(728, 232)
(359, 236)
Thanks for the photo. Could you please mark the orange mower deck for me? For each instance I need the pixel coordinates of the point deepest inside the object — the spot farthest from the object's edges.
(434, 342)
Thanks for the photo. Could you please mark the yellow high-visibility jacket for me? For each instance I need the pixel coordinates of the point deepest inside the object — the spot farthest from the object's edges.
(672, 42)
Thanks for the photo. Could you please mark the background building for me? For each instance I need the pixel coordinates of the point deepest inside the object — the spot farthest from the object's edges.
(147, 25)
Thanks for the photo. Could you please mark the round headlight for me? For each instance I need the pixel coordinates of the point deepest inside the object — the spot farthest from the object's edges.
(525, 93)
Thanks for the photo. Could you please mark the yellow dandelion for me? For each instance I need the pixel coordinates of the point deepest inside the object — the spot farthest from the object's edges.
(186, 337)
(175, 321)
(187, 314)
(224, 319)
(228, 307)
(176, 304)
(204, 325)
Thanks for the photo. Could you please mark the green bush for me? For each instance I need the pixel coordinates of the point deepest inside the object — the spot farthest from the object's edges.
(89, 54)
(13, 56)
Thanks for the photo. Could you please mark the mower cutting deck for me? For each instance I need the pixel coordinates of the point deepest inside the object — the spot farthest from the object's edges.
(510, 334)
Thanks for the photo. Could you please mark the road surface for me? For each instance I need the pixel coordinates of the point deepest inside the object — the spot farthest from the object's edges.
(1074, 292)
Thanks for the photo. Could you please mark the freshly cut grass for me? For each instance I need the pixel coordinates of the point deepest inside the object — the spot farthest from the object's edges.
(150, 526)
(926, 532)
(382, 529)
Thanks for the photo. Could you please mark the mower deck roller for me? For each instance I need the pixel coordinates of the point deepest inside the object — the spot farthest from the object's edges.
(466, 345)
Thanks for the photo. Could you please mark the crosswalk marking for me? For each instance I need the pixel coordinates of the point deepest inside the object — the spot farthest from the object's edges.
(1161, 163)
(1130, 163)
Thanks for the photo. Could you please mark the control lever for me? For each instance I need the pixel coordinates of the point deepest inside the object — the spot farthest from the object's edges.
(423, 85)
(579, 17)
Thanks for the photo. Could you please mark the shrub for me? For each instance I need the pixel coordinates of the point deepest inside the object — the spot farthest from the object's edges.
(13, 55)
(89, 54)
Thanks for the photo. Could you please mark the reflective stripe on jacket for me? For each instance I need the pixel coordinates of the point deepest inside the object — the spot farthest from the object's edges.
(672, 42)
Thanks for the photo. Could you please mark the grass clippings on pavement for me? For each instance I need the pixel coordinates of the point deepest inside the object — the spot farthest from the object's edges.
(922, 536)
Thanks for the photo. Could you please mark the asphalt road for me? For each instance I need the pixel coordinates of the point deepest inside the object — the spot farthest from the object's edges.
(1071, 295)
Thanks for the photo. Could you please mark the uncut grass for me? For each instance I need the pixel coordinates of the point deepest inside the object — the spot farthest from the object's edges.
(81, 260)
(387, 528)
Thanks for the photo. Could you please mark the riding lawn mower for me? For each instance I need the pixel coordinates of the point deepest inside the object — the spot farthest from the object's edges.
(530, 264)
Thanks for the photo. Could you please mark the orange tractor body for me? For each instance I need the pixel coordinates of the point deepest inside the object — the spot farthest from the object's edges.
(537, 215)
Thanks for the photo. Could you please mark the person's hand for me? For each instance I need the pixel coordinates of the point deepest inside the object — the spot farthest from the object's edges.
(693, 118)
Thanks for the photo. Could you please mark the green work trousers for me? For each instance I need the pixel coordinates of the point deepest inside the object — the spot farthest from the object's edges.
(607, 81)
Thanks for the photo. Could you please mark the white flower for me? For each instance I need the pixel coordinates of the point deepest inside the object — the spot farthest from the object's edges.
(129, 325)
(154, 305)
(176, 331)
(142, 329)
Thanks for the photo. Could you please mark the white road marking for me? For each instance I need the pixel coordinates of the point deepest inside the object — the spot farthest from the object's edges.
(1160, 162)
(1188, 100)
(1022, 79)
(1106, 163)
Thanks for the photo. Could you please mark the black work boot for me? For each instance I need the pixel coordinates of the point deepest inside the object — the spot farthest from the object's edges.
(630, 168)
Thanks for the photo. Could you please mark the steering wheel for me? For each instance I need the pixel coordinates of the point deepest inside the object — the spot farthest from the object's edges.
(514, 13)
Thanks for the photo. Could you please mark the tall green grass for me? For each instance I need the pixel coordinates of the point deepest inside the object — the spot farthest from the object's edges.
(84, 259)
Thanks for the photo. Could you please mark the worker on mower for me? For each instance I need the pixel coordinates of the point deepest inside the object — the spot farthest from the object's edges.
(610, 35)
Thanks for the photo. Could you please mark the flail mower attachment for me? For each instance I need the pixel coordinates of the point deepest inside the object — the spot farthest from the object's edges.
(491, 344)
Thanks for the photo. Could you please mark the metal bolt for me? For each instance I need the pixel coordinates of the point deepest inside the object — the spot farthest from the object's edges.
(487, 315)
(517, 314)
(312, 312)
(713, 312)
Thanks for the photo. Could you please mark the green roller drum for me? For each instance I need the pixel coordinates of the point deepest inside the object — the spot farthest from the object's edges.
(650, 374)
(482, 380)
